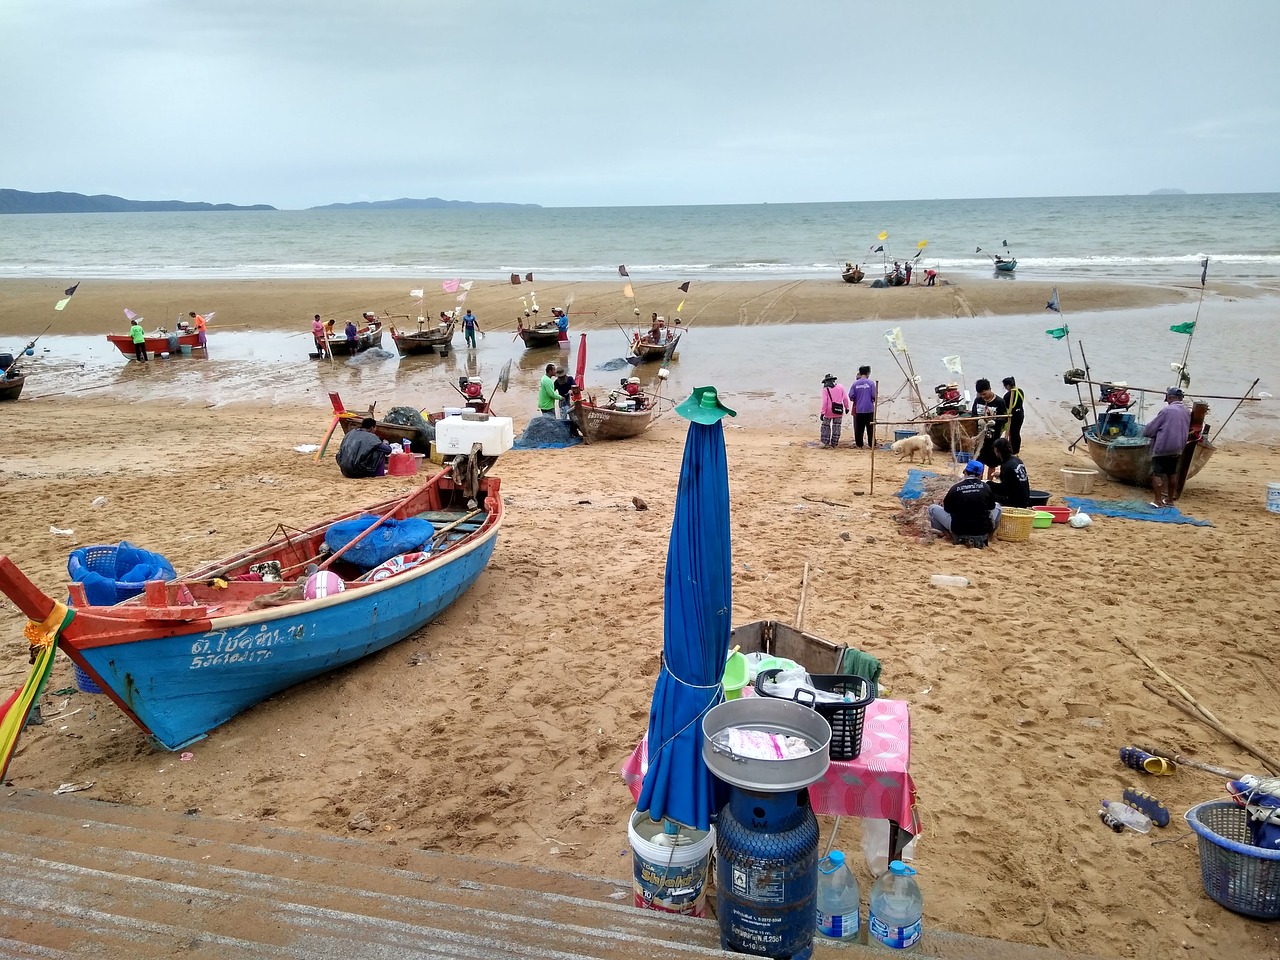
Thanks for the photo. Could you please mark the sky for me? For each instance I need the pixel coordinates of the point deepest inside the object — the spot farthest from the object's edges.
(599, 103)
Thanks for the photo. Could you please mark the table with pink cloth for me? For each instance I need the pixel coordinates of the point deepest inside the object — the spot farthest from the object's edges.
(876, 783)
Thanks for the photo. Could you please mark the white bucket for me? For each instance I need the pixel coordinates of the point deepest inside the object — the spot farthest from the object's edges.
(1273, 498)
(669, 879)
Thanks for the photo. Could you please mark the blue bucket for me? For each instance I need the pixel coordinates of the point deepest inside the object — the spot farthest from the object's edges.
(962, 457)
(903, 434)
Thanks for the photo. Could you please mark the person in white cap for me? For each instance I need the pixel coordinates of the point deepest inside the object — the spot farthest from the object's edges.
(1169, 431)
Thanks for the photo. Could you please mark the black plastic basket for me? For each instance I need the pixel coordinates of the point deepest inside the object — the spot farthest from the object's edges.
(845, 718)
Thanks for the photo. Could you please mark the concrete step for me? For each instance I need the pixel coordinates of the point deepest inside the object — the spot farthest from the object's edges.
(84, 878)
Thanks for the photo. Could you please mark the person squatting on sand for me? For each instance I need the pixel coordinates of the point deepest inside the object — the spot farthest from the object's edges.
(969, 511)
(1013, 489)
(1169, 431)
(864, 407)
(363, 453)
(834, 403)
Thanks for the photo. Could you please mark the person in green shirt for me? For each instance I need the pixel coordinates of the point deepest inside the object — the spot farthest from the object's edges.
(547, 392)
(139, 338)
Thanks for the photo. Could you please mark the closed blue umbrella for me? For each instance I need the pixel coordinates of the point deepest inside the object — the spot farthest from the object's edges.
(696, 620)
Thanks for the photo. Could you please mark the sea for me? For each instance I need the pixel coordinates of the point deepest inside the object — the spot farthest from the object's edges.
(1141, 238)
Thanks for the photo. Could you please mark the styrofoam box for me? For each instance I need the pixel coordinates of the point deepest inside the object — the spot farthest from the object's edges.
(456, 435)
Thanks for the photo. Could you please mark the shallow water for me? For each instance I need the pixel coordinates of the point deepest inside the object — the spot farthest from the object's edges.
(770, 374)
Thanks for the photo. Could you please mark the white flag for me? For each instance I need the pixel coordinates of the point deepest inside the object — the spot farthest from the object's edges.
(462, 298)
(894, 337)
(467, 286)
(417, 294)
(953, 365)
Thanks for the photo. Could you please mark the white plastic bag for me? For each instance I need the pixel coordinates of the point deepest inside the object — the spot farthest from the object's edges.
(1079, 520)
(875, 846)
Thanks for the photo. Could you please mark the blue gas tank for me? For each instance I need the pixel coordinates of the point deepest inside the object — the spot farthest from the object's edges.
(767, 873)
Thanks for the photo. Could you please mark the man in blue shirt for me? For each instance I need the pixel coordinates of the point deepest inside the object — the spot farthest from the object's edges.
(469, 327)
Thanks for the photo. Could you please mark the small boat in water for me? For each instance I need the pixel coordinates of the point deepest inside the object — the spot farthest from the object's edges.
(367, 337)
(426, 340)
(190, 654)
(1005, 266)
(645, 350)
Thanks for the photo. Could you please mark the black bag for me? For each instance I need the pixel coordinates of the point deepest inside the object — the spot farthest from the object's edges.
(837, 409)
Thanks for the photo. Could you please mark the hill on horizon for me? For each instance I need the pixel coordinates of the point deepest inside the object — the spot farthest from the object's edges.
(22, 201)
(430, 203)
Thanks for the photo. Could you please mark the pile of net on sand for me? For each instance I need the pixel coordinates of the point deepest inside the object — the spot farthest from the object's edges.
(919, 492)
(372, 355)
(547, 433)
(409, 417)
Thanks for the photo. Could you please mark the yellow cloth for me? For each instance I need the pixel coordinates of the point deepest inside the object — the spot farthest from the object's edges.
(44, 640)
(44, 633)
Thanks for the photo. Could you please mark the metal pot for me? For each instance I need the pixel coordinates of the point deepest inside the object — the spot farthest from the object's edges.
(772, 716)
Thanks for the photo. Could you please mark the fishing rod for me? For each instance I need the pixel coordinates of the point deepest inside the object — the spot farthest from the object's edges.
(1183, 377)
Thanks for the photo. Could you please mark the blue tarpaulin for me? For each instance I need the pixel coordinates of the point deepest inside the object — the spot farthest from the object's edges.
(1133, 510)
(913, 486)
(697, 611)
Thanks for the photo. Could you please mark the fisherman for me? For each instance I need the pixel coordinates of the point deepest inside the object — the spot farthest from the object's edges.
(990, 411)
(969, 511)
(351, 335)
(202, 336)
(317, 332)
(564, 385)
(363, 453)
(562, 327)
(139, 338)
(864, 407)
(1169, 430)
(655, 330)
(1014, 399)
(547, 392)
(834, 403)
(1013, 489)
(469, 327)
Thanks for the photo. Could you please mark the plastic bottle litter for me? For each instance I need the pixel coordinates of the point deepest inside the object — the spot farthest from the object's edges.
(944, 580)
(1127, 815)
(896, 915)
(839, 900)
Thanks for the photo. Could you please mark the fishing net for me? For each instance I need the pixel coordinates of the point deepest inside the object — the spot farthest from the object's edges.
(920, 491)
(409, 417)
(546, 433)
(372, 355)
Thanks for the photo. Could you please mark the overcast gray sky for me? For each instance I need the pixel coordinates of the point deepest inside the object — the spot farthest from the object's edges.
(593, 102)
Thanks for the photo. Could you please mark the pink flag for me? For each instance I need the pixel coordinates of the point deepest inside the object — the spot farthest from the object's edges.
(462, 298)
(451, 286)
(129, 314)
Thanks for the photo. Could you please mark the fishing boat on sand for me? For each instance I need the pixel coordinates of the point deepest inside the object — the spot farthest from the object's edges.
(625, 412)
(426, 340)
(190, 654)
(160, 343)
(852, 274)
(11, 377)
(1127, 458)
(951, 432)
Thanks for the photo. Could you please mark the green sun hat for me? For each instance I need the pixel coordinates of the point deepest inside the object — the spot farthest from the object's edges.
(704, 406)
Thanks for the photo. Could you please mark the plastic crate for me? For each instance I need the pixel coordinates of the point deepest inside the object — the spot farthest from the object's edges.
(845, 718)
(1243, 878)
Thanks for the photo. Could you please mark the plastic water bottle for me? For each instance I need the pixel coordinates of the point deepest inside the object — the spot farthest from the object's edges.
(896, 917)
(943, 580)
(1131, 817)
(839, 901)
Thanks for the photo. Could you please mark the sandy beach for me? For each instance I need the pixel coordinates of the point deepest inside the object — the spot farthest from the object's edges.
(499, 730)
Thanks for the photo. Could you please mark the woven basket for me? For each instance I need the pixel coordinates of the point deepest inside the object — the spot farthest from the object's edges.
(1015, 524)
(1078, 481)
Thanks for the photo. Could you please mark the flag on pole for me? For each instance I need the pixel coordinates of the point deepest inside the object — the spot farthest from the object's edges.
(922, 244)
(953, 365)
(462, 298)
(450, 286)
(684, 287)
(468, 285)
(896, 342)
(1204, 270)
(529, 277)
(882, 235)
(979, 250)
(515, 279)
(71, 289)
(627, 292)
(875, 249)
(66, 296)
(416, 294)
(1188, 328)
(129, 314)
(679, 306)
(622, 270)
(1058, 332)
(1053, 304)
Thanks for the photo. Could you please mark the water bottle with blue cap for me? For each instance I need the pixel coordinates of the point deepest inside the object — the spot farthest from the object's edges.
(896, 915)
(839, 900)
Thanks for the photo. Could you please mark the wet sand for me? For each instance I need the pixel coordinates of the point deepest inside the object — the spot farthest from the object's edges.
(498, 731)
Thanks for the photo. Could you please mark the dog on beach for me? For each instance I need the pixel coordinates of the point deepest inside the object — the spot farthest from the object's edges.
(920, 445)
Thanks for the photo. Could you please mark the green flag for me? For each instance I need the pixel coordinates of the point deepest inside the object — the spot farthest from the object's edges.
(1058, 332)
(1188, 328)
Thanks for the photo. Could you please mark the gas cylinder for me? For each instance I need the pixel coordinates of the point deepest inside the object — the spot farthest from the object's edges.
(767, 873)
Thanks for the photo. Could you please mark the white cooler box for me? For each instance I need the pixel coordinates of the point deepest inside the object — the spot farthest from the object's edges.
(456, 435)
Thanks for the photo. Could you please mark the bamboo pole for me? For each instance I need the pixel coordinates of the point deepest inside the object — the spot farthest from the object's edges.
(1201, 712)
(875, 421)
(1191, 712)
(804, 590)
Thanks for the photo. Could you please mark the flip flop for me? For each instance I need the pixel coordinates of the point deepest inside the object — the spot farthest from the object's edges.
(1148, 804)
(1145, 762)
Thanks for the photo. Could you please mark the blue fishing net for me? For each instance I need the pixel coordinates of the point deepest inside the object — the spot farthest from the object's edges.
(392, 538)
(546, 433)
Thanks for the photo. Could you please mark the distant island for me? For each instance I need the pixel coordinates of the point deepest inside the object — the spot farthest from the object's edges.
(1168, 192)
(430, 203)
(20, 201)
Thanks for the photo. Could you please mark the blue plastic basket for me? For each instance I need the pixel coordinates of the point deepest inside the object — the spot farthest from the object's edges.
(1243, 878)
(84, 682)
(903, 434)
(962, 457)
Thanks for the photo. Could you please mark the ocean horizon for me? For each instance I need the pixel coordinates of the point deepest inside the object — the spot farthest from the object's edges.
(1141, 238)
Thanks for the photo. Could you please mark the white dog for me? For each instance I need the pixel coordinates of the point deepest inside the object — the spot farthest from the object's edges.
(921, 444)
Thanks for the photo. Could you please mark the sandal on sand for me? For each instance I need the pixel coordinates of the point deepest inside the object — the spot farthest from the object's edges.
(1148, 804)
(1145, 762)
(1153, 505)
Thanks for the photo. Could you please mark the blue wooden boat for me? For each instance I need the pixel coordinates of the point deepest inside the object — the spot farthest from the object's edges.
(189, 655)
(1006, 266)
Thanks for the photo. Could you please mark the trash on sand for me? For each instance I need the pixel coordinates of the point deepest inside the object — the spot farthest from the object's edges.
(307, 447)
(59, 532)
(187, 757)
(98, 502)
(75, 787)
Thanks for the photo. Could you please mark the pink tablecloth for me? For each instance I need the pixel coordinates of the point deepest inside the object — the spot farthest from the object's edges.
(873, 784)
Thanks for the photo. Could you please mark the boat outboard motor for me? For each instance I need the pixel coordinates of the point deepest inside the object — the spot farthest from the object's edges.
(1115, 396)
(6, 361)
(950, 400)
(473, 390)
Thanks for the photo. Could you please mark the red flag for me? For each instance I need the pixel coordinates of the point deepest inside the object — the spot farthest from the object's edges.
(515, 279)
(622, 270)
